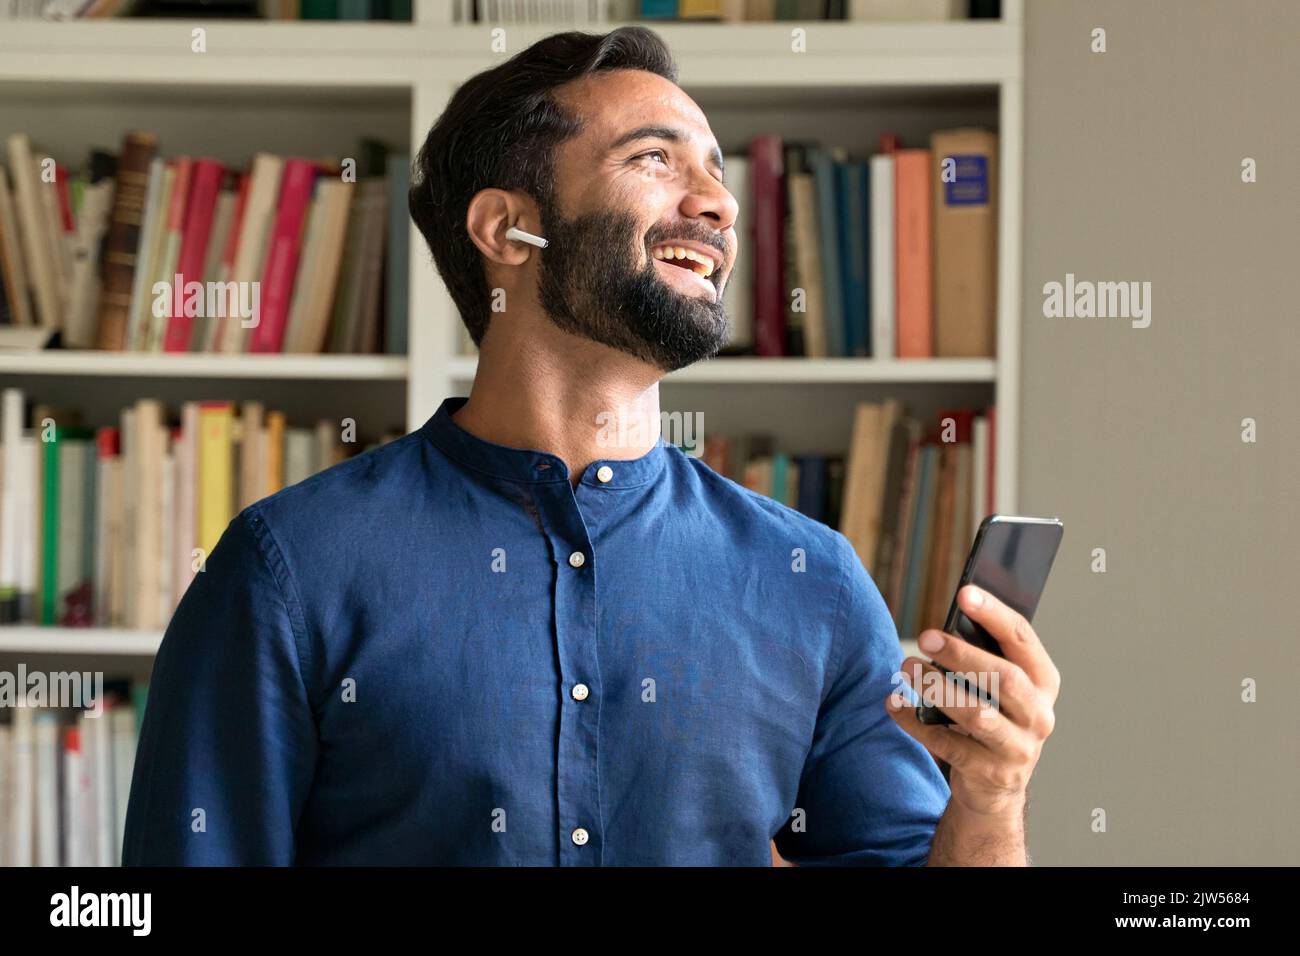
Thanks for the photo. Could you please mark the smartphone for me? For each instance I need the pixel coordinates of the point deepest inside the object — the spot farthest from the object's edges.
(1011, 558)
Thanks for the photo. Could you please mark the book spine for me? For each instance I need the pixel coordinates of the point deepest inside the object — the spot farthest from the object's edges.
(913, 283)
(121, 248)
(282, 256)
(769, 230)
(205, 186)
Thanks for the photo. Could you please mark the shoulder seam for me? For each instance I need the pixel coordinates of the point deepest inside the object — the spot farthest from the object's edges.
(274, 559)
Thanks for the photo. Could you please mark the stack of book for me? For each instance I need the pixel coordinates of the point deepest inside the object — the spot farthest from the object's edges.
(65, 779)
(107, 527)
(721, 11)
(892, 256)
(908, 496)
(143, 253)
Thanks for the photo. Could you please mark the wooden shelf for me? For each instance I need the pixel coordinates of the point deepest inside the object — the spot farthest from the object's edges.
(804, 371)
(198, 365)
(30, 639)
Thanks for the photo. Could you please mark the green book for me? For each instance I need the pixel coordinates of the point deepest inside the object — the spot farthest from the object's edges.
(319, 9)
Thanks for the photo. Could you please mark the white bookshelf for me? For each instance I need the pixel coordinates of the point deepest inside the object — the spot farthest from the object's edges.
(317, 87)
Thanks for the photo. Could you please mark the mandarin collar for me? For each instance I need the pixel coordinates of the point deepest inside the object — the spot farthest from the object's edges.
(523, 464)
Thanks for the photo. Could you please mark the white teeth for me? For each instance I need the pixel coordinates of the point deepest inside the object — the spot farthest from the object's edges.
(706, 264)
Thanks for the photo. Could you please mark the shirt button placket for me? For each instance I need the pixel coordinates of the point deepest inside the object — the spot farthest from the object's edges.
(575, 618)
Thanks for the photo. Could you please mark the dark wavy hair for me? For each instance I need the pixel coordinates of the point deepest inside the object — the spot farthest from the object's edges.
(500, 130)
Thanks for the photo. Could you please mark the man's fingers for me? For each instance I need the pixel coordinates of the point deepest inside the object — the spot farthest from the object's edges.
(1018, 640)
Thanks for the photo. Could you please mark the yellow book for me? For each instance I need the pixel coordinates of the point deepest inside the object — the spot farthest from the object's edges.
(273, 447)
(216, 472)
(700, 9)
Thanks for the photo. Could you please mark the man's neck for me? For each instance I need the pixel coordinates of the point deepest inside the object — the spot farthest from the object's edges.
(562, 395)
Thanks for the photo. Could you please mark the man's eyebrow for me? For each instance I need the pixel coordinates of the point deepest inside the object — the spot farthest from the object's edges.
(668, 133)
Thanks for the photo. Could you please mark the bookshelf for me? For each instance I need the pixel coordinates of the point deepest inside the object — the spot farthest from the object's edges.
(308, 87)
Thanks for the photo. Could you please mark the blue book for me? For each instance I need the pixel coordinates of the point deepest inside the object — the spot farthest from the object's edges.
(397, 269)
(781, 478)
(658, 9)
(854, 223)
(811, 497)
(823, 169)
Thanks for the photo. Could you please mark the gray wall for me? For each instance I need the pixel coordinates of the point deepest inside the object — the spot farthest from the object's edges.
(1133, 436)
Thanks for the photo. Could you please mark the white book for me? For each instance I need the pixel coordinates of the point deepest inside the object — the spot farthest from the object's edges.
(979, 480)
(29, 522)
(299, 455)
(738, 294)
(22, 821)
(74, 802)
(167, 539)
(152, 223)
(123, 602)
(11, 475)
(106, 535)
(254, 230)
(6, 798)
(122, 726)
(45, 736)
(187, 471)
(96, 744)
(883, 330)
(32, 226)
(92, 223)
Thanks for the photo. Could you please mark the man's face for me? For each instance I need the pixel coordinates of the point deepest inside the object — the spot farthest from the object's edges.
(642, 180)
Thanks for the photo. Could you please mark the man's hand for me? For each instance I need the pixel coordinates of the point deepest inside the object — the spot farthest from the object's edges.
(992, 750)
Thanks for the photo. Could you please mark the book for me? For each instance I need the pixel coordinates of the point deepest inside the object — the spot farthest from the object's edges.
(766, 176)
(914, 314)
(882, 257)
(965, 242)
(282, 254)
(738, 293)
(120, 248)
(32, 227)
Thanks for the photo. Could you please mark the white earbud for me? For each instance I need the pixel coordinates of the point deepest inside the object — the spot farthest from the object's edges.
(520, 236)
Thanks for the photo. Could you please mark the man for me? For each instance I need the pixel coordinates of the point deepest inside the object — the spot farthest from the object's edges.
(510, 638)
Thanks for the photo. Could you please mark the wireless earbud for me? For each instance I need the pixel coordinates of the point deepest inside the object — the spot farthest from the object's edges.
(520, 236)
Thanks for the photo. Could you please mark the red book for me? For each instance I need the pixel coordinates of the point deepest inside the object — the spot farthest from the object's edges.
(108, 442)
(282, 255)
(913, 289)
(65, 199)
(767, 180)
(196, 227)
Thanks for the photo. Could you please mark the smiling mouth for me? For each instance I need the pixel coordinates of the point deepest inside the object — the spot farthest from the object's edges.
(702, 265)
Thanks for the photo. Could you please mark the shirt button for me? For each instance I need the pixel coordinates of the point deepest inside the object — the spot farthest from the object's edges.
(580, 837)
(604, 473)
(580, 691)
(577, 559)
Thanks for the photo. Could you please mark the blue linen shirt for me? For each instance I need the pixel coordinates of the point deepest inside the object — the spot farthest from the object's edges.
(443, 652)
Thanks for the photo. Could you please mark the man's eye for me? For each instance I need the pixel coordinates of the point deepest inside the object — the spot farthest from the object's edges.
(655, 152)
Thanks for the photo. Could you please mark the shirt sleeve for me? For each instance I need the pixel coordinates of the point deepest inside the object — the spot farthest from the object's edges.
(228, 743)
(871, 795)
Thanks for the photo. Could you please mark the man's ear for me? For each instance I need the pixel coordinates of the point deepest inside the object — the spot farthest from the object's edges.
(493, 211)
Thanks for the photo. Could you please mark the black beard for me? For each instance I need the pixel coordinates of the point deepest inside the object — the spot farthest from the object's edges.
(589, 285)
